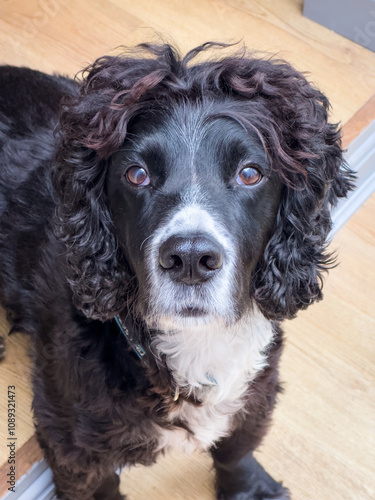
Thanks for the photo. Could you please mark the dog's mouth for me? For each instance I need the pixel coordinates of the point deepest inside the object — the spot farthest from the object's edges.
(184, 316)
(193, 312)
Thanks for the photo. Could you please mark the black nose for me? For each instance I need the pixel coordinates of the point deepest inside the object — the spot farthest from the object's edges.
(191, 260)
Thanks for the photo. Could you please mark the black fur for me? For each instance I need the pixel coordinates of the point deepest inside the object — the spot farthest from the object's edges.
(71, 243)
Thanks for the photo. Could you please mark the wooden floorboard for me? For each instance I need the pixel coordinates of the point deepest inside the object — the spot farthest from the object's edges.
(66, 35)
(358, 122)
(26, 456)
(322, 441)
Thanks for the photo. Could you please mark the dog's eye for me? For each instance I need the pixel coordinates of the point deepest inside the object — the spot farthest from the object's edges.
(249, 176)
(137, 176)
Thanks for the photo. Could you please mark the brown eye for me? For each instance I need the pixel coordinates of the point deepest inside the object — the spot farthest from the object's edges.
(137, 176)
(249, 176)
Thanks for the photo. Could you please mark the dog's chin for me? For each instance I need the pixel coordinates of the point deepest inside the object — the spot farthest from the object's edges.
(186, 318)
(193, 312)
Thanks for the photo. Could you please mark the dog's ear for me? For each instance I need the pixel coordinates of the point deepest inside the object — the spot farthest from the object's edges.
(305, 150)
(290, 117)
(96, 271)
(289, 277)
(93, 126)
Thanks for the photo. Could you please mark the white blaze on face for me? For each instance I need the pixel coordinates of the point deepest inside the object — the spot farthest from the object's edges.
(167, 298)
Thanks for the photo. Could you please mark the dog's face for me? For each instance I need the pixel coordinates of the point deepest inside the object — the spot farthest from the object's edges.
(192, 191)
(194, 199)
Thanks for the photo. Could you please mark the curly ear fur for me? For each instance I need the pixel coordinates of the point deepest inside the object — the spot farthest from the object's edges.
(290, 276)
(97, 274)
(270, 97)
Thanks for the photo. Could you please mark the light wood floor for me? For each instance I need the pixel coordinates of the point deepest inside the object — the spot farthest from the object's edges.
(323, 439)
(66, 35)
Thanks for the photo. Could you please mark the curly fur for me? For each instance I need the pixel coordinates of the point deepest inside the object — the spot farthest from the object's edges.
(64, 274)
(289, 115)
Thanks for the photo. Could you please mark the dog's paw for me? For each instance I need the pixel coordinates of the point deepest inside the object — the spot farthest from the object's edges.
(110, 489)
(111, 496)
(116, 496)
(2, 348)
(280, 494)
(283, 494)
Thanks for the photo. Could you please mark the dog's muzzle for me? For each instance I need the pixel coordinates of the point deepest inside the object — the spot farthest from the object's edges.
(191, 260)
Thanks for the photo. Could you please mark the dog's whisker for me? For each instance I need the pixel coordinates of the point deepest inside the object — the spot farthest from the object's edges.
(144, 241)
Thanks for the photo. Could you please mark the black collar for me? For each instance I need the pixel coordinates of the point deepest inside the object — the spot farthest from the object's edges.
(127, 329)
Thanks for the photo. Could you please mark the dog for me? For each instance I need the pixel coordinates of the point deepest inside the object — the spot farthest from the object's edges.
(159, 218)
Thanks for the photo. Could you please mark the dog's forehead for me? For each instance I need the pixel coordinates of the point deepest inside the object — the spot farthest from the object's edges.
(200, 130)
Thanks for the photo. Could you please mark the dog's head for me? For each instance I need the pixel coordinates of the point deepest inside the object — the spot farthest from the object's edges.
(191, 192)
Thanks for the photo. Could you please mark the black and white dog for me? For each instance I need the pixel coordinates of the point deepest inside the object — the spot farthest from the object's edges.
(159, 218)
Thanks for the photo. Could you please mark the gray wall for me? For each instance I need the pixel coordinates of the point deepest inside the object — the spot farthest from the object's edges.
(354, 19)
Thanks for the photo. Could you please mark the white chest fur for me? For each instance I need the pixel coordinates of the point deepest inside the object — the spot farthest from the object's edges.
(217, 364)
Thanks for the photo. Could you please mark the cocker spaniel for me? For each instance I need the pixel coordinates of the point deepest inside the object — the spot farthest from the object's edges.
(159, 218)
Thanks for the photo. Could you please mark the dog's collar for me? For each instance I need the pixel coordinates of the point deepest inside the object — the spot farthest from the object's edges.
(126, 329)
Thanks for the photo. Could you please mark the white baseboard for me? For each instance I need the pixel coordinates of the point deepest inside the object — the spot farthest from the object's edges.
(361, 158)
(36, 484)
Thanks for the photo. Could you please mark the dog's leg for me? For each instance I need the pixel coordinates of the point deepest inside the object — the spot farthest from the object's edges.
(86, 485)
(245, 479)
(88, 490)
(239, 476)
(83, 486)
(109, 489)
(73, 483)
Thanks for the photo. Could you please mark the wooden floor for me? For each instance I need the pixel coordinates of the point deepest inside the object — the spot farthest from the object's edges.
(323, 439)
(66, 35)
